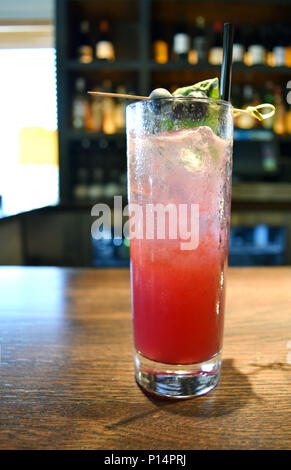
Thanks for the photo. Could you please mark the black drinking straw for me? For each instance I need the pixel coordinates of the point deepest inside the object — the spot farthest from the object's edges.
(226, 66)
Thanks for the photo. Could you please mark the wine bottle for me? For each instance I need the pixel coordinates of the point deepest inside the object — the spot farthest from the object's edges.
(280, 115)
(236, 101)
(215, 51)
(84, 50)
(269, 98)
(108, 121)
(247, 32)
(97, 112)
(269, 41)
(288, 46)
(81, 109)
(104, 45)
(199, 41)
(95, 188)
(244, 120)
(288, 120)
(181, 41)
(238, 46)
(256, 50)
(112, 188)
(159, 46)
(119, 113)
(80, 190)
(279, 46)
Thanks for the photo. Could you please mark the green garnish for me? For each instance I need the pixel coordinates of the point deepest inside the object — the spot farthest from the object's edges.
(167, 125)
(210, 87)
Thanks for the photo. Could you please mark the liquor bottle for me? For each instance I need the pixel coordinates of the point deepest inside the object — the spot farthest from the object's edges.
(104, 45)
(236, 100)
(95, 188)
(269, 98)
(181, 42)
(97, 112)
(160, 46)
(288, 120)
(123, 183)
(247, 32)
(238, 46)
(256, 49)
(244, 120)
(215, 51)
(81, 109)
(119, 113)
(288, 46)
(269, 41)
(199, 41)
(280, 115)
(279, 46)
(112, 188)
(80, 190)
(108, 110)
(84, 50)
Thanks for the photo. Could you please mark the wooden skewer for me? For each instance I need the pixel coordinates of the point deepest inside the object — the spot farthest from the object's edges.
(252, 110)
(118, 95)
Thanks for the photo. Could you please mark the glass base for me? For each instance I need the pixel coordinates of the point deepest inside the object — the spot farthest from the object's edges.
(176, 380)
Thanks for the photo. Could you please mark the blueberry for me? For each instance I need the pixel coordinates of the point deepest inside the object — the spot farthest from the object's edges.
(156, 102)
(160, 93)
(180, 107)
(198, 109)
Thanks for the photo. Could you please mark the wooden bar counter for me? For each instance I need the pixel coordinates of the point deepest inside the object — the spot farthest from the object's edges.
(66, 370)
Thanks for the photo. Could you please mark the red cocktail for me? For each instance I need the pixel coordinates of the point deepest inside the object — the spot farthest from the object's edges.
(178, 282)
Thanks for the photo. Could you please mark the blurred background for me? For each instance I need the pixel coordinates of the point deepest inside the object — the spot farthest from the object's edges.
(62, 151)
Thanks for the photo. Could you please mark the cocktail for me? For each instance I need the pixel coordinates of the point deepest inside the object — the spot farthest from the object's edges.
(179, 187)
(179, 167)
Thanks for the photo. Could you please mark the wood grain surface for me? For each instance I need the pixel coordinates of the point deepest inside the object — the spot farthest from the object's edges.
(66, 370)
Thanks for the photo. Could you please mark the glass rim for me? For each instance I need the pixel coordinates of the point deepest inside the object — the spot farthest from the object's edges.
(217, 101)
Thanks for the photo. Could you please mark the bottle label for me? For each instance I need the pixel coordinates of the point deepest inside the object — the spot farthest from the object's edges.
(199, 46)
(85, 54)
(215, 56)
(279, 55)
(78, 113)
(181, 43)
(257, 54)
(105, 50)
(238, 53)
(160, 51)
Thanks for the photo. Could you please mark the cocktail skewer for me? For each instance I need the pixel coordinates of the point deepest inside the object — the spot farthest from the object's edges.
(118, 95)
(252, 110)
